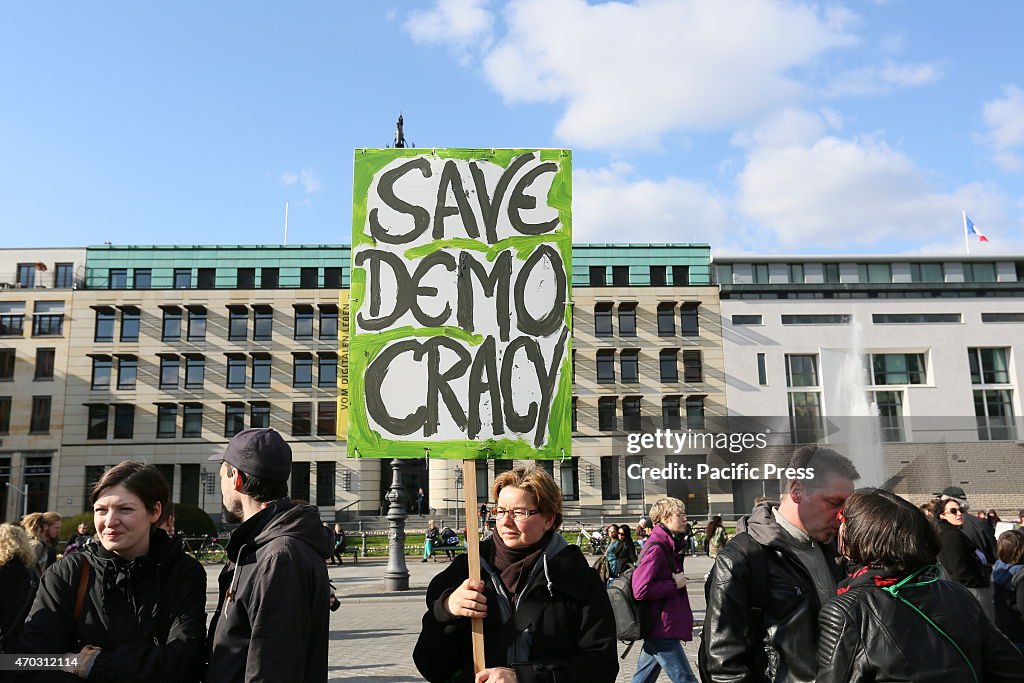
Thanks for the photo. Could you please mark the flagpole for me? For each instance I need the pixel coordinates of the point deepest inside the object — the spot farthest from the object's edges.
(967, 239)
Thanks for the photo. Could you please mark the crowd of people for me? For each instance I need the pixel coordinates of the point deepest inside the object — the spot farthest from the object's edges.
(827, 584)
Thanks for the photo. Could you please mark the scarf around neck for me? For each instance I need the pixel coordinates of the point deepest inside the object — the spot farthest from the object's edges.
(514, 564)
(868, 576)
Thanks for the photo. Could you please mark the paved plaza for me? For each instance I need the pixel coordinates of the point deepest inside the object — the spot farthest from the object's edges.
(373, 633)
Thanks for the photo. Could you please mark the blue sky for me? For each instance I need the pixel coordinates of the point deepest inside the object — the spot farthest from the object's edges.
(754, 126)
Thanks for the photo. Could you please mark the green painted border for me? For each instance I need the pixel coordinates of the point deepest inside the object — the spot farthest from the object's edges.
(364, 442)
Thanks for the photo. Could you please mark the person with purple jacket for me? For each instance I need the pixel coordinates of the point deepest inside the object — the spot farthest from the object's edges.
(659, 580)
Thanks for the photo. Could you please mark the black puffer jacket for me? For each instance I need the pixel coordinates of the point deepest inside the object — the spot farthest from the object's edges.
(868, 635)
(571, 641)
(275, 624)
(958, 559)
(734, 649)
(148, 615)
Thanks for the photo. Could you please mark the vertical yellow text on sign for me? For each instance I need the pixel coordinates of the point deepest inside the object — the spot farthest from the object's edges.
(343, 346)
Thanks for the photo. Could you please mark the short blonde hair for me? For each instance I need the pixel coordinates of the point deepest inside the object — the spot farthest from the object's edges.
(664, 508)
(14, 543)
(539, 484)
(34, 524)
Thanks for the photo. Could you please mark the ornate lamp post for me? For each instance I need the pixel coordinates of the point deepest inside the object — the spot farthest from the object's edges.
(396, 578)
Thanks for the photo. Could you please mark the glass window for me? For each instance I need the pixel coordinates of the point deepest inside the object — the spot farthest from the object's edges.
(927, 272)
(575, 414)
(603, 320)
(681, 276)
(693, 368)
(989, 366)
(124, 421)
(236, 372)
(627, 320)
(695, 412)
(597, 276)
(606, 366)
(325, 483)
(332, 278)
(246, 278)
(40, 421)
(99, 418)
(26, 275)
(259, 415)
(979, 272)
(309, 278)
(299, 484)
(127, 371)
(762, 370)
(192, 424)
(634, 487)
(875, 273)
(810, 319)
(666, 320)
(606, 417)
(620, 276)
(629, 361)
(831, 273)
(207, 278)
(195, 371)
(169, 366)
(143, 278)
(327, 418)
(269, 278)
(101, 366)
(898, 368)
(796, 273)
(166, 421)
(690, 319)
(182, 278)
(631, 413)
(5, 414)
(670, 412)
(914, 318)
(668, 362)
(994, 411)
(238, 323)
(171, 329)
(568, 479)
(13, 325)
(303, 322)
(47, 324)
(118, 278)
(64, 276)
(761, 275)
(7, 360)
(104, 330)
(328, 321)
(801, 370)
(890, 415)
(302, 371)
(658, 276)
(45, 358)
(805, 421)
(234, 418)
(196, 323)
(327, 372)
(130, 318)
(747, 320)
(302, 419)
(260, 372)
(263, 323)
(724, 272)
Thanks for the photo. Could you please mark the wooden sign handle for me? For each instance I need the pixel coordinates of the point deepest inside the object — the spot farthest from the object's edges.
(473, 555)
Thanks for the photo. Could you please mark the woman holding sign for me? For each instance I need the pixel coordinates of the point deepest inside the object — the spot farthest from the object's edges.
(545, 611)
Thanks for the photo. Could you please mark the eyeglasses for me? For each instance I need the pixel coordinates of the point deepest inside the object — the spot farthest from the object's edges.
(518, 514)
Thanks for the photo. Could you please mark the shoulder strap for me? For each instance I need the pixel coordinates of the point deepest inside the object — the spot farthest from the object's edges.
(83, 585)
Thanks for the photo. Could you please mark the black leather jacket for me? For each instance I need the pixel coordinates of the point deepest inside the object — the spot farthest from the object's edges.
(868, 635)
(734, 649)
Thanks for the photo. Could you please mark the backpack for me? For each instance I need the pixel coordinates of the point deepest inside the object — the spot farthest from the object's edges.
(449, 537)
(633, 618)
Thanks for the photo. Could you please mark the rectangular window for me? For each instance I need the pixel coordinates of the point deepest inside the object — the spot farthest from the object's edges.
(606, 366)
(603, 320)
(761, 274)
(303, 322)
(40, 421)
(695, 412)
(234, 418)
(325, 483)
(823, 319)
(118, 278)
(124, 421)
(192, 424)
(302, 373)
(127, 372)
(263, 323)
(207, 278)
(260, 371)
(190, 484)
(45, 360)
(332, 278)
(927, 272)
(606, 418)
(575, 414)
(568, 479)
(989, 366)
(670, 416)
(236, 372)
(269, 278)
(681, 276)
(326, 418)
(5, 414)
(658, 276)
(831, 273)
(693, 367)
(48, 325)
(196, 323)
(898, 368)
(299, 489)
(1002, 317)
(690, 325)
(104, 329)
(26, 275)
(259, 415)
(309, 278)
(634, 487)
(327, 370)
(64, 275)
(13, 325)
(166, 420)
(629, 362)
(142, 278)
(328, 321)
(238, 323)
(890, 415)
(171, 328)
(666, 320)
(597, 276)
(195, 371)
(99, 418)
(762, 370)
(246, 278)
(805, 421)
(747, 320)
(724, 273)
(169, 370)
(913, 318)
(7, 360)
(182, 278)
(668, 363)
(979, 272)
(302, 419)
(874, 273)
(994, 411)
(620, 276)
(801, 370)
(796, 273)
(130, 320)
(101, 370)
(627, 320)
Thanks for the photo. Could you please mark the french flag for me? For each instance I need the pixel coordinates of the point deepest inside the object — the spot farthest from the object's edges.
(971, 229)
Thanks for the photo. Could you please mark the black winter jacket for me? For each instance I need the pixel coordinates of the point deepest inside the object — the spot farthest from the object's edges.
(272, 618)
(18, 584)
(148, 615)
(572, 640)
(867, 635)
(735, 649)
(958, 559)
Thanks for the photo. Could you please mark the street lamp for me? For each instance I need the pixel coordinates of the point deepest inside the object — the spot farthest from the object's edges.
(396, 578)
(24, 496)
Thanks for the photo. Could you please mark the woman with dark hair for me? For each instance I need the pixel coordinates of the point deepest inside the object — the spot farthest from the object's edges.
(714, 537)
(893, 619)
(1008, 586)
(626, 552)
(545, 612)
(133, 606)
(960, 560)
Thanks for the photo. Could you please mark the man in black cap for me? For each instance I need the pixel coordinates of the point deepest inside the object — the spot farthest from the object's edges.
(983, 538)
(271, 622)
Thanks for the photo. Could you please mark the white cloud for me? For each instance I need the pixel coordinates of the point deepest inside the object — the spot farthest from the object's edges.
(460, 25)
(789, 127)
(1005, 121)
(881, 79)
(289, 178)
(305, 177)
(629, 73)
